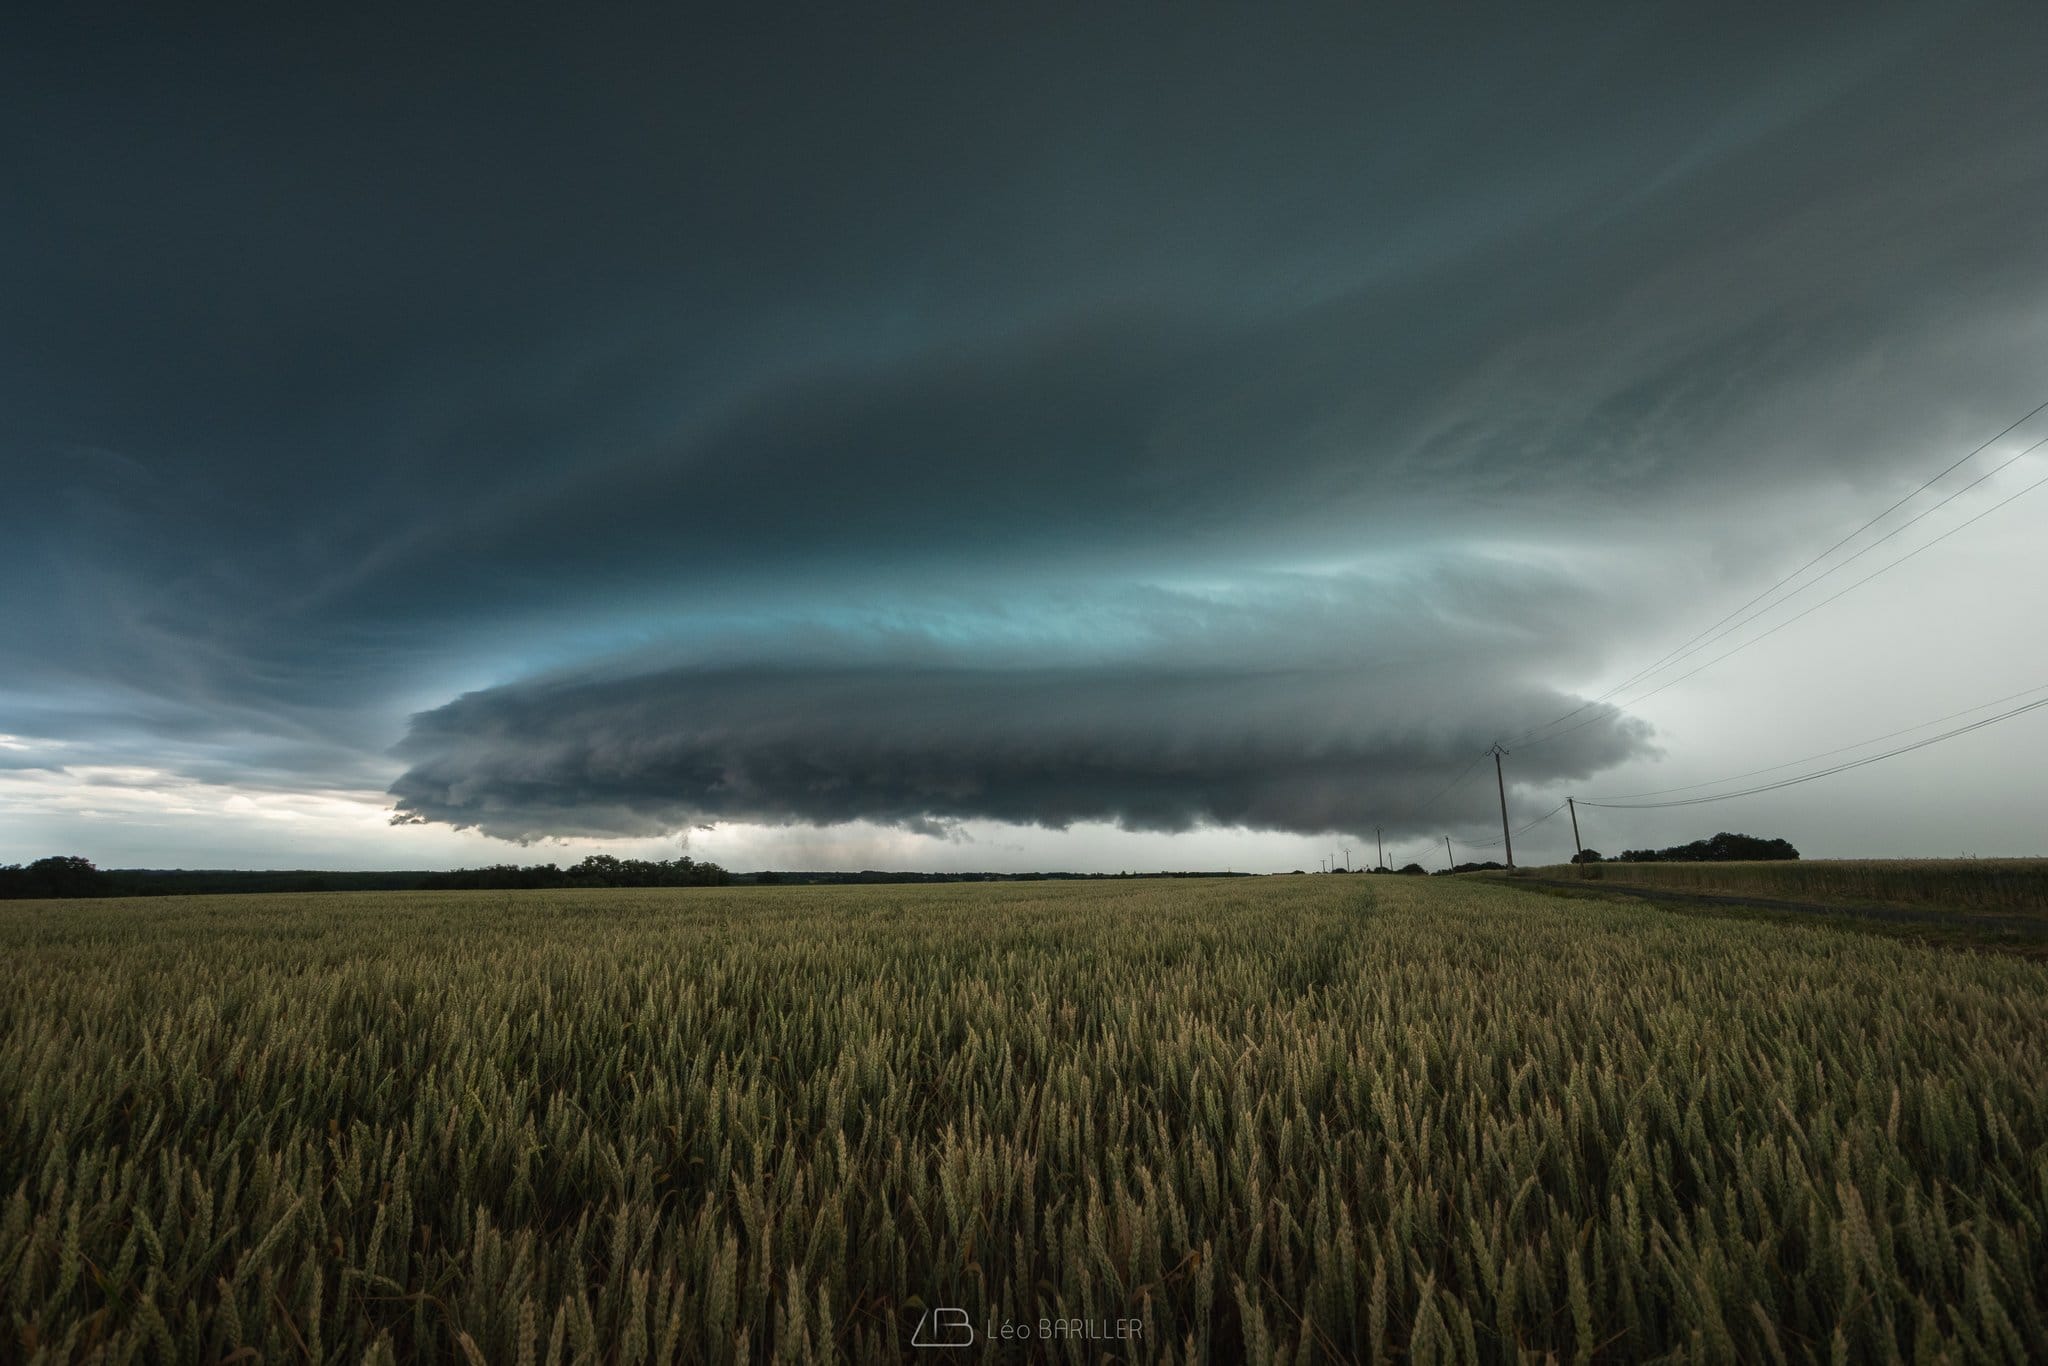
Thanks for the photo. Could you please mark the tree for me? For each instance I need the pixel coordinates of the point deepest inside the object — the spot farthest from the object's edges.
(1588, 856)
(602, 869)
(1722, 848)
(63, 875)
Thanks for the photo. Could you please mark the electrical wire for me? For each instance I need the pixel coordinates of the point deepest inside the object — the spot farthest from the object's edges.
(1714, 632)
(1762, 635)
(1495, 844)
(1830, 771)
(1882, 569)
(1454, 783)
(1694, 642)
(1835, 568)
(1807, 759)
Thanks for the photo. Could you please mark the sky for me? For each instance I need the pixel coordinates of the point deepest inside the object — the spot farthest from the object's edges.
(968, 437)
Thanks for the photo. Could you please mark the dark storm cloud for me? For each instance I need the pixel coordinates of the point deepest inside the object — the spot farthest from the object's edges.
(1302, 751)
(347, 368)
(1299, 704)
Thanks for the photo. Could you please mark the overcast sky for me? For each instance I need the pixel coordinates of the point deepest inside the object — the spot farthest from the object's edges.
(921, 438)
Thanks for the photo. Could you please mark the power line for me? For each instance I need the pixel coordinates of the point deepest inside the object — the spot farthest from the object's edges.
(1495, 844)
(1830, 771)
(1682, 647)
(1835, 568)
(1882, 569)
(1687, 645)
(1730, 623)
(1824, 754)
(1424, 809)
(1765, 634)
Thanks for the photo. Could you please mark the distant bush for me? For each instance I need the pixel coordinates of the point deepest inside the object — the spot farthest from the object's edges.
(1414, 870)
(1722, 848)
(1588, 856)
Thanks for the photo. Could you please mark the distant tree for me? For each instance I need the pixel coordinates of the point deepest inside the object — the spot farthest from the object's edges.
(1722, 848)
(1587, 856)
(1727, 848)
(1415, 870)
(63, 875)
(600, 869)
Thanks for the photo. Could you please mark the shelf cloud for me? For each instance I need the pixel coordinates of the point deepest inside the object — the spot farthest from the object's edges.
(1143, 749)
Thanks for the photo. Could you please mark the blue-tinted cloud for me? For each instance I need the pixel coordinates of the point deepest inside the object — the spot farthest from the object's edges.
(347, 371)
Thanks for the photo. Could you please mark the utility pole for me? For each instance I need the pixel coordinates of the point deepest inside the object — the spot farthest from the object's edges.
(1347, 858)
(1382, 848)
(1450, 859)
(1502, 783)
(1578, 849)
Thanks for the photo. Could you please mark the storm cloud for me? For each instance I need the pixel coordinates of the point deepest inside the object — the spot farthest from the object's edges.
(1212, 713)
(1174, 421)
(918, 748)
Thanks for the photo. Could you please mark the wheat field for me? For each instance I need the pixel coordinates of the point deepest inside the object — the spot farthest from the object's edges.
(1289, 1119)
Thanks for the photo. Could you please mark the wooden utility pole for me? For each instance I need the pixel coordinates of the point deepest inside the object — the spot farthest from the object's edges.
(1507, 841)
(1450, 858)
(1578, 849)
(1382, 845)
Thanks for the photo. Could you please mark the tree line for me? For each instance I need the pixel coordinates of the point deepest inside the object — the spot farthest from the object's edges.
(72, 876)
(596, 870)
(1722, 848)
(69, 875)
